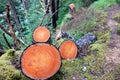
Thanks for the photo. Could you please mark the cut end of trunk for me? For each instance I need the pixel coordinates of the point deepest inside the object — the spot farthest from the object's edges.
(68, 49)
(40, 61)
(41, 34)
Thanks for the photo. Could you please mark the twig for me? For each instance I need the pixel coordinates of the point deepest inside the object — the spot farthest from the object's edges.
(42, 19)
(5, 30)
(19, 40)
(8, 44)
(11, 28)
(2, 51)
(51, 17)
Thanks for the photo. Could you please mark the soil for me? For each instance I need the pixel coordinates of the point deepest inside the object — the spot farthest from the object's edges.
(113, 55)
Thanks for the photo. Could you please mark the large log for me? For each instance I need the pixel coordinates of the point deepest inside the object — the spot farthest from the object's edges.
(40, 61)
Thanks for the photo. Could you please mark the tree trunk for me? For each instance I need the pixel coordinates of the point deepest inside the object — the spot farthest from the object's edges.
(53, 17)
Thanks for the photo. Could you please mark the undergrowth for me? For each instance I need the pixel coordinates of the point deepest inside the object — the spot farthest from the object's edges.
(102, 4)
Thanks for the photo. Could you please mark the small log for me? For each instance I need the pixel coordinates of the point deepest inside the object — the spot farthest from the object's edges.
(40, 61)
(41, 34)
(72, 9)
(68, 49)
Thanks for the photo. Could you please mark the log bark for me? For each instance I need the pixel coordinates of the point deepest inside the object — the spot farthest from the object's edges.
(83, 41)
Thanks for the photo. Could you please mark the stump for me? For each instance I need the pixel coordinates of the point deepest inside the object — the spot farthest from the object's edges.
(41, 34)
(68, 49)
(40, 61)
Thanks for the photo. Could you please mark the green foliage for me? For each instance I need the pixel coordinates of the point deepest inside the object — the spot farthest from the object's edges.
(118, 1)
(64, 8)
(87, 3)
(117, 17)
(102, 4)
(88, 22)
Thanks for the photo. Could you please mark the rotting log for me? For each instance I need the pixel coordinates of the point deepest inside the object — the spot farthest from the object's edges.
(81, 43)
(40, 61)
(85, 40)
(41, 34)
(68, 49)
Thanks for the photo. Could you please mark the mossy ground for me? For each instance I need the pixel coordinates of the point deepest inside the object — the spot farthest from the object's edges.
(7, 70)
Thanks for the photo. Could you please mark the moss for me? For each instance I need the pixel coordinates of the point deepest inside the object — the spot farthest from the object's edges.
(116, 17)
(69, 69)
(8, 55)
(118, 29)
(7, 70)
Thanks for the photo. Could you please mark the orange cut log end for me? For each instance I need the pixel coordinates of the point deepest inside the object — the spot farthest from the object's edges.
(41, 34)
(68, 49)
(72, 6)
(40, 61)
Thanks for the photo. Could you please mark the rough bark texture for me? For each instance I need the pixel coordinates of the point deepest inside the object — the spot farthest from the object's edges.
(85, 40)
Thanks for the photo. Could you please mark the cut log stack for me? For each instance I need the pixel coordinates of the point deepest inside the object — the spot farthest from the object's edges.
(42, 60)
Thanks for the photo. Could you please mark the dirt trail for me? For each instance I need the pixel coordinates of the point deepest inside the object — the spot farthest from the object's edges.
(113, 55)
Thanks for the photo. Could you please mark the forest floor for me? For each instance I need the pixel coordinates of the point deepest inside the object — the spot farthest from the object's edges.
(113, 55)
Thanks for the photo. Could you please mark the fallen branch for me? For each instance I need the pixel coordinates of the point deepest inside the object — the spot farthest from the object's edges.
(5, 30)
(85, 40)
(8, 44)
(51, 17)
(19, 40)
(16, 44)
(42, 19)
